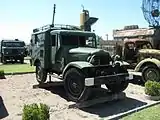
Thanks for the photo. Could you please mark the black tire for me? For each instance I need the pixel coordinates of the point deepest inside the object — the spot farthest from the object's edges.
(74, 85)
(151, 72)
(3, 60)
(120, 86)
(41, 74)
(15, 60)
(117, 87)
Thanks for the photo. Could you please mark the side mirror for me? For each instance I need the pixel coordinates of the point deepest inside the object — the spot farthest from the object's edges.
(31, 41)
(116, 58)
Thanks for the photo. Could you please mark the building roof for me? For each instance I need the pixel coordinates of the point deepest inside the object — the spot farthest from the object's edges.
(135, 40)
(133, 33)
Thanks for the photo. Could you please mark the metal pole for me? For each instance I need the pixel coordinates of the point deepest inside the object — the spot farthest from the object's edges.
(53, 14)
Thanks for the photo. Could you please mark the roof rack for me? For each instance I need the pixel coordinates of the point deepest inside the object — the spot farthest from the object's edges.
(56, 27)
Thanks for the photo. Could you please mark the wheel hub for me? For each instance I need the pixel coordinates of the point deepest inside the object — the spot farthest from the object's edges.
(74, 85)
(151, 75)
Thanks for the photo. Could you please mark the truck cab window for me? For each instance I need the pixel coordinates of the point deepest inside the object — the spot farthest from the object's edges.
(53, 40)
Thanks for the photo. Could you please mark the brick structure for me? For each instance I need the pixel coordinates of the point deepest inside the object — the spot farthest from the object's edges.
(132, 32)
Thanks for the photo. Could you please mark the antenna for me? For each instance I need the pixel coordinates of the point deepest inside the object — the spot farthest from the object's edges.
(53, 14)
(82, 7)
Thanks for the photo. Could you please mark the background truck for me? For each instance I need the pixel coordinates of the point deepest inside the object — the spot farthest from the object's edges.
(63, 50)
(140, 54)
(12, 50)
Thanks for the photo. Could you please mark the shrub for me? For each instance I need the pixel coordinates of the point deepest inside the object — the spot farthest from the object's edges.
(152, 88)
(35, 112)
(1, 73)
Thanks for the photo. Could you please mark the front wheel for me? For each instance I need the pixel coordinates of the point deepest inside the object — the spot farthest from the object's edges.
(41, 74)
(151, 73)
(74, 85)
(3, 60)
(22, 60)
(117, 87)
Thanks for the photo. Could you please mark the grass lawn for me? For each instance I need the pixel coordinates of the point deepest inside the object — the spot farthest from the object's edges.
(151, 113)
(14, 68)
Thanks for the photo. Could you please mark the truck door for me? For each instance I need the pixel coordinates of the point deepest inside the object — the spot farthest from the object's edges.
(54, 45)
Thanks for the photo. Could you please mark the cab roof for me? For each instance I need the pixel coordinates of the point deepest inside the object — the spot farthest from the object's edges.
(12, 41)
(73, 32)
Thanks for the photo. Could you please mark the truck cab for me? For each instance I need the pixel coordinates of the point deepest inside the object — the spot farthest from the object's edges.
(12, 50)
(141, 56)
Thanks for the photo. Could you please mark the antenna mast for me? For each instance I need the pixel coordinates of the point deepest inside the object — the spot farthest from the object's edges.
(53, 14)
(82, 7)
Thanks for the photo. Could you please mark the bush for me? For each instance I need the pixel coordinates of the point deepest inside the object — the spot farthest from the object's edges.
(152, 88)
(1, 73)
(35, 112)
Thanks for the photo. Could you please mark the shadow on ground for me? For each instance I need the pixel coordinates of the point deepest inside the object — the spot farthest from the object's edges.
(2, 77)
(58, 90)
(3, 110)
(114, 107)
(104, 109)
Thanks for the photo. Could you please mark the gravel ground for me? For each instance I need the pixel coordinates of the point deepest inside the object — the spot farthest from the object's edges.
(17, 90)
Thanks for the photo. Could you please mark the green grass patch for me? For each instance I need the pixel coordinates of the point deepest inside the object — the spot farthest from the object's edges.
(17, 68)
(151, 113)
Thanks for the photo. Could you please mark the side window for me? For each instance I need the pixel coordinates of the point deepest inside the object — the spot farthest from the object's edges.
(33, 39)
(36, 39)
(39, 38)
(53, 40)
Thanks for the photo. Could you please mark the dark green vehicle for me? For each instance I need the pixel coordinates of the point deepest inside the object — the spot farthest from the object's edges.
(73, 55)
(12, 50)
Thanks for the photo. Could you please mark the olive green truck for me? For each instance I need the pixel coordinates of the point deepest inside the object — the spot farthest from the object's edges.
(72, 54)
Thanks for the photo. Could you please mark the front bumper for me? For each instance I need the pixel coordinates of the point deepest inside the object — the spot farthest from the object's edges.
(109, 79)
(9, 57)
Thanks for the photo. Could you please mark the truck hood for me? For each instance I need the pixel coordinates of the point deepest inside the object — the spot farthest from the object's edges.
(84, 50)
(150, 53)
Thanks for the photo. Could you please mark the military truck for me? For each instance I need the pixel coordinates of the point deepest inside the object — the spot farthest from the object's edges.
(12, 50)
(141, 56)
(62, 50)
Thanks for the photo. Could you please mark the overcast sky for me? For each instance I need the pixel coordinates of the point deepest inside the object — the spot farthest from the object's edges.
(19, 17)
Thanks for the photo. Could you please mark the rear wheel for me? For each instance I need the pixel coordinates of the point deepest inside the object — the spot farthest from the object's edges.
(74, 85)
(151, 72)
(41, 74)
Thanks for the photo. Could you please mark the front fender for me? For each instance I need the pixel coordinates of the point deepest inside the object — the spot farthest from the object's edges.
(78, 64)
(145, 61)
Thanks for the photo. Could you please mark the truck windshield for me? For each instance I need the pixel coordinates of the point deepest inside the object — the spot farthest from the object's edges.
(81, 41)
(13, 44)
(144, 45)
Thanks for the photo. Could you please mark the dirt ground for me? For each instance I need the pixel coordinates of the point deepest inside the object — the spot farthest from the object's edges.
(15, 91)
